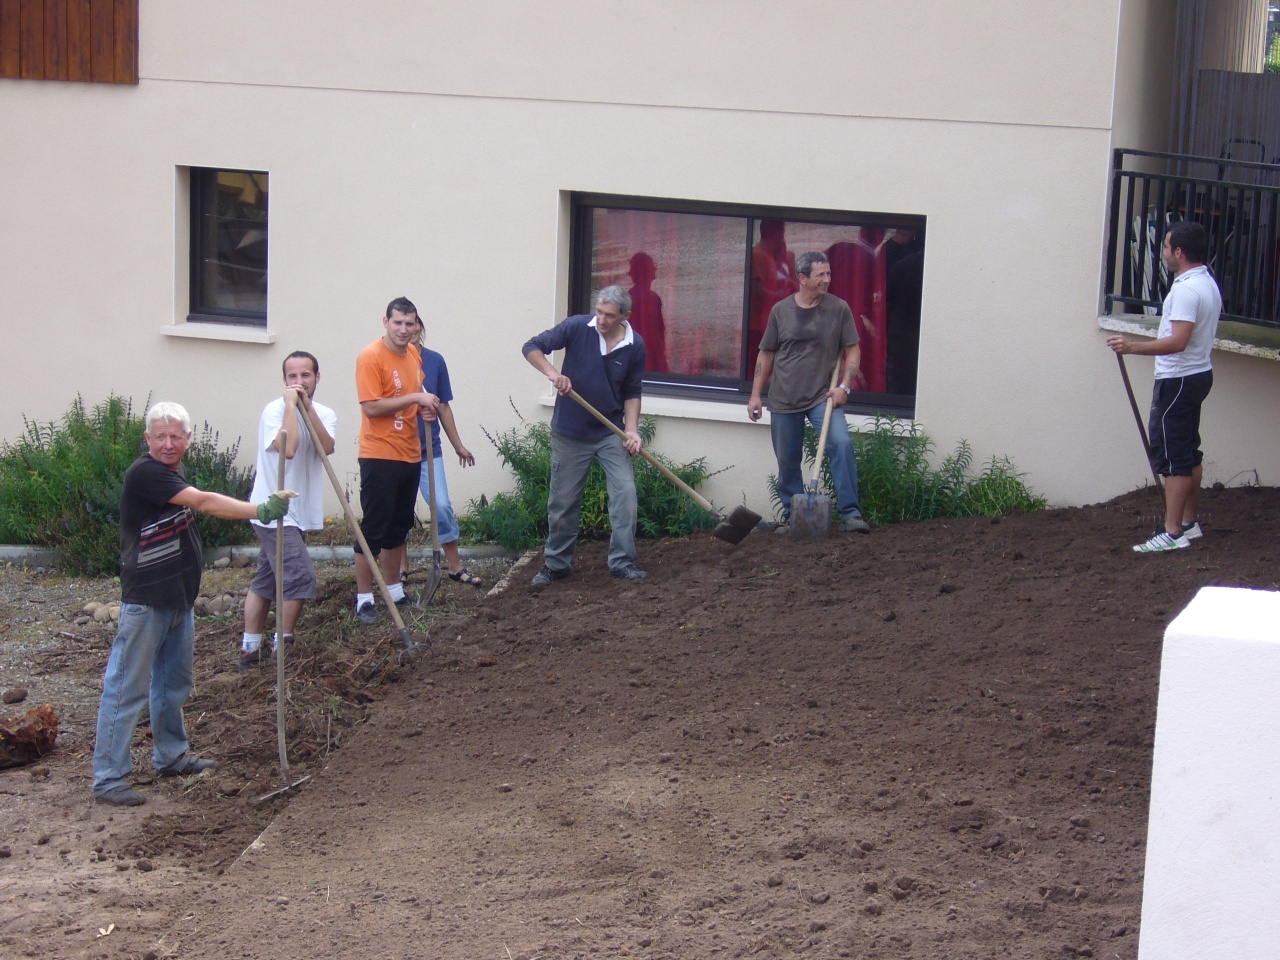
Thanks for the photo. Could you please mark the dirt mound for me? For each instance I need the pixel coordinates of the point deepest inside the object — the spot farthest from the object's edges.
(931, 742)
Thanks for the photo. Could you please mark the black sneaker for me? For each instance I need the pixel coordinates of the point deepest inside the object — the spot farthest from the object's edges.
(124, 796)
(408, 600)
(628, 572)
(252, 658)
(546, 575)
(367, 614)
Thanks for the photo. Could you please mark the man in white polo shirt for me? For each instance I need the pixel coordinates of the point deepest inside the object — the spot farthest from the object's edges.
(303, 472)
(1184, 376)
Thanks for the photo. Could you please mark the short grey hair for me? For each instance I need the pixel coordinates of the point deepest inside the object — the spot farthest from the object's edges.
(805, 262)
(168, 411)
(617, 296)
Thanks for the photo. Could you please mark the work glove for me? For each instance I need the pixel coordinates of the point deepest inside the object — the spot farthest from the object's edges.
(275, 506)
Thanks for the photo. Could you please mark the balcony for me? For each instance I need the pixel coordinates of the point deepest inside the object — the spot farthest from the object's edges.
(1239, 204)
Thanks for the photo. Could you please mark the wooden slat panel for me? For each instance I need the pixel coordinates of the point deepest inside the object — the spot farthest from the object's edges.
(10, 56)
(102, 25)
(31, 39)
(55, 39)
(126, 41)
(79, 45)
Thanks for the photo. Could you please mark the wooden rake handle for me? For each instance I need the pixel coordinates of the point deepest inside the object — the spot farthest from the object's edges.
(666, 471)
(282, 440)
(314, 426)
(826, 425)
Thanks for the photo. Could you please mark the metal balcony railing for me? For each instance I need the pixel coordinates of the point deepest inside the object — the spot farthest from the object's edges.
(1242, 219)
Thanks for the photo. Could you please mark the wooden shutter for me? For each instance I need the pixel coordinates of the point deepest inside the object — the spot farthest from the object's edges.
(87, 40)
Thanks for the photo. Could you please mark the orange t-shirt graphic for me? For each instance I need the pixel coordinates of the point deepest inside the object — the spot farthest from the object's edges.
(382, 373)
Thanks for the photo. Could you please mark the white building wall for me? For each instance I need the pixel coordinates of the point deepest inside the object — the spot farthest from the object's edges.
(427, 150)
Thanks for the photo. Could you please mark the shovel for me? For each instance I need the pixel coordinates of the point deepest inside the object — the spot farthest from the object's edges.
(731, 529)
(433, 583)
(411, 649)
(810, 510)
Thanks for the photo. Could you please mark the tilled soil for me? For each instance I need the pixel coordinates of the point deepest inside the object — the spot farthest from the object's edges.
(932, 742)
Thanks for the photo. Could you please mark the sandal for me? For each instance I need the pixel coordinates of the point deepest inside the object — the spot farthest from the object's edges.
(466, 576)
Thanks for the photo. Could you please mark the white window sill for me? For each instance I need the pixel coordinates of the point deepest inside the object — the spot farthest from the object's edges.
(234, 332)
(1252, 341)
(682, 409)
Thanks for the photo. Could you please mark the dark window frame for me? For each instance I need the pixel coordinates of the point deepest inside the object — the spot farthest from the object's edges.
(204, 198)
(580, 282)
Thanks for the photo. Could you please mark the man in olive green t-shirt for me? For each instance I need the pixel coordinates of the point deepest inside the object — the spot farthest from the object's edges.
(807, 335)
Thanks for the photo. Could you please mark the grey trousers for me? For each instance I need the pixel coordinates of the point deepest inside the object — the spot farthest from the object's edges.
(570, 461)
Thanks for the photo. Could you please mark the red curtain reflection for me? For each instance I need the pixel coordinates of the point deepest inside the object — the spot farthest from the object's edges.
(685, 276)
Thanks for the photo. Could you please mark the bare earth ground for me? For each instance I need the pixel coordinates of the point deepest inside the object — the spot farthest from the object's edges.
(933, 742)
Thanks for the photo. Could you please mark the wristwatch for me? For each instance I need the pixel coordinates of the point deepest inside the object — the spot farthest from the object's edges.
(847, 388)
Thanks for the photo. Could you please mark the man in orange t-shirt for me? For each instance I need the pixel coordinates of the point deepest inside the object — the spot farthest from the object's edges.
(389, 388)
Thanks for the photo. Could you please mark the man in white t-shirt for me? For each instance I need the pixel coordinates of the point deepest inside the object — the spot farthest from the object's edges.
(303, 472)
(1184, 376)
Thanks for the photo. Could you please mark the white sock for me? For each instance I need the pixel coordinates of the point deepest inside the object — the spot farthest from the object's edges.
(362, 599)
(397, 591)
(251, 642)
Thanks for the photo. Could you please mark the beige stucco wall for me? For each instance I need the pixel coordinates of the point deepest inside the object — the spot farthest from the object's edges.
(426, 150)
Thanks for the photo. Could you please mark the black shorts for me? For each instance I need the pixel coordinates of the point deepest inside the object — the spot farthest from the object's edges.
(1175, 423)
(388, 494)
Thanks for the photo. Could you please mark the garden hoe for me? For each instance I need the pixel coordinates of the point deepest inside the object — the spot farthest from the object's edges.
(287, 783)
(1142, 430)
(433, 583)
(810, 510)
(411, 649)
(731, 529)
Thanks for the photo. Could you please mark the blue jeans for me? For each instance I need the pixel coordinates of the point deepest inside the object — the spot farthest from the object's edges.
(570, 461)
(446, 522)
(151, 659)
(787, 430)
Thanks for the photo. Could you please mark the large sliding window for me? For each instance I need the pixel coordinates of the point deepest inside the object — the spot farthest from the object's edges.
(228, 246)
(703, 278)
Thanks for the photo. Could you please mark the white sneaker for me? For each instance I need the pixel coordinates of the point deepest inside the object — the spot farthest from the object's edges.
(1161, 542)
(1192, 530)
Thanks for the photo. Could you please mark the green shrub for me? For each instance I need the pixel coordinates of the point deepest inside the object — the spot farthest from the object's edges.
(896, 481)
(60, 484)
(519, 520)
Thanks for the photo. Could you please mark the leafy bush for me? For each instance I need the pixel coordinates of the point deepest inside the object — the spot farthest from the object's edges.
(519, 520)
(896, 481)
(60, 483)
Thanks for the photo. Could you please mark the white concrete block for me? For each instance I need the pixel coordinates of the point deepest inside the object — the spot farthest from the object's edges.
(1212, 885)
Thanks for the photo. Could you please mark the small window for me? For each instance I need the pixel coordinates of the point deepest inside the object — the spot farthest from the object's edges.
(704, 277)
(228, 247)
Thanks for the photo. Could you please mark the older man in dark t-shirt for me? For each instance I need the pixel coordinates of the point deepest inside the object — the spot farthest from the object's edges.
(160, 563)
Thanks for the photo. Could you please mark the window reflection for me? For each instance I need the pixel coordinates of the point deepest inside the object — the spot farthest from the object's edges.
(685, 273)
(703, 284)
(229, 250)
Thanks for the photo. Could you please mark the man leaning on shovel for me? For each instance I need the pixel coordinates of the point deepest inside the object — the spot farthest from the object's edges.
(808, 333)
(161, 559)
(303, 472)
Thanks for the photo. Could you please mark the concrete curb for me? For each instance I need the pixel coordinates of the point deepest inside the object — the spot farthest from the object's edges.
(43, 557)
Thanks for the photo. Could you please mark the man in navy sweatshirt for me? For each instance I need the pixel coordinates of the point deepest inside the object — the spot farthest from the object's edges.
(604, 359)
